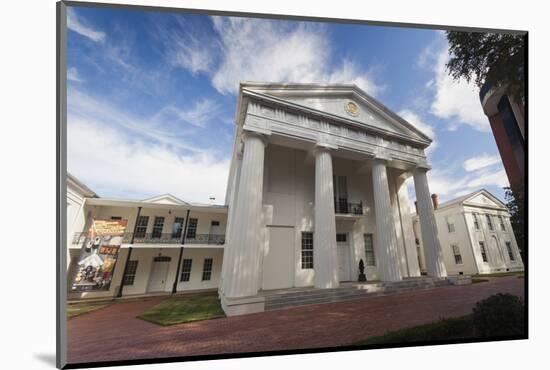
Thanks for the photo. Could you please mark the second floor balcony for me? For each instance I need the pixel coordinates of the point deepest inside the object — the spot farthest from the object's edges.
(342, 206)
(162, 238)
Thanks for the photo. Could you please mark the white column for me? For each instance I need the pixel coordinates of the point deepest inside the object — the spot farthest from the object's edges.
(432, 247)
(407, 227)
(325, 261)
(386, 240)
(400, 237)
(242, 271)
(231, 216)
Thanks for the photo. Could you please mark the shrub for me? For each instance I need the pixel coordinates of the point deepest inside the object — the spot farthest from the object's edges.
(499, 315)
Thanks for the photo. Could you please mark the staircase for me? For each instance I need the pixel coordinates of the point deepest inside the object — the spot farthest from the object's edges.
(286, 298)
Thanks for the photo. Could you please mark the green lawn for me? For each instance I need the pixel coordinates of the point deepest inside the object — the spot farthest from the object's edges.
(500, 274)
(84, 307)
(446, 329)
(475, 280)
(186, 308)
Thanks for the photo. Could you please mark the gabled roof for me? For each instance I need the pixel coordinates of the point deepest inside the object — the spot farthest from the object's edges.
(165, 199)
(478, 198)
(329, 100)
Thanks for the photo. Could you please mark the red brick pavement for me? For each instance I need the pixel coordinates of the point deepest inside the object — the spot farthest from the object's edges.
(114, 333)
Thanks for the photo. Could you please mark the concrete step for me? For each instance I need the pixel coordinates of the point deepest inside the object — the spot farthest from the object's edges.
(345, 292)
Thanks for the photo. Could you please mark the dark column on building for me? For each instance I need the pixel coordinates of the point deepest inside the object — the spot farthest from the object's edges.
(184, 233)
(119, 294)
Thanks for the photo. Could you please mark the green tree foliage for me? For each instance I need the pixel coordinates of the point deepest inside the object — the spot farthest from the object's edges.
(495, 58)
(515, 202)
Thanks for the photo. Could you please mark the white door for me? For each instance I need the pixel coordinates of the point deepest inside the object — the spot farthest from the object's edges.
(344, 273)
(157, 278)
(278, 263)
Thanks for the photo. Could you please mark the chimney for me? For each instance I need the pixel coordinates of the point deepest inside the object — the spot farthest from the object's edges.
(435, 201)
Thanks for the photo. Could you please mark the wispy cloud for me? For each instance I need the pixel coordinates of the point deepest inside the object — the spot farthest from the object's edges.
(120, 153)
(199, 114)
(75, 24)
(414, 119)
(244, 49)
(73, 75)
(109, 161)
(455, 101)
(171, 133)
(480, 161)
(449, 182)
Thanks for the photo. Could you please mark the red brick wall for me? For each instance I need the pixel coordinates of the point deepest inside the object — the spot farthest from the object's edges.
(511, 166)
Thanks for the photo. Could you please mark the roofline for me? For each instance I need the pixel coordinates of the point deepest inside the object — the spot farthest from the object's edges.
(165, 195)
(113, 202)
(422, 141)
(89, 193)
(346, 87)
(464, 198)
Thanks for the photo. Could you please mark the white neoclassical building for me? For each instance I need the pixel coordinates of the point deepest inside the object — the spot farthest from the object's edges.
(316, 184)
(476, 235)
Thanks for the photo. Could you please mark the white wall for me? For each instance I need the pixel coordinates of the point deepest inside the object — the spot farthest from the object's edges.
(76, 218)
(145, 256)
(203, 226)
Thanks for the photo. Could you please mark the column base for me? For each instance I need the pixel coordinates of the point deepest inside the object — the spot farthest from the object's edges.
(242, 305)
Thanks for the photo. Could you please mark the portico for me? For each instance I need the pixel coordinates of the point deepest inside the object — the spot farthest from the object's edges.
(318, 180)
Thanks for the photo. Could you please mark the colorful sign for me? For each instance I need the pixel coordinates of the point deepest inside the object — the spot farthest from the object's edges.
(96, 265)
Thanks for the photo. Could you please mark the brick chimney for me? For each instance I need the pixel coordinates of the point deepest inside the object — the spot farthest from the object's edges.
(435, 201)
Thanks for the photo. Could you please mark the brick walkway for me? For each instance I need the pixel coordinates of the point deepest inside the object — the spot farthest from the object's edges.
(113, 333)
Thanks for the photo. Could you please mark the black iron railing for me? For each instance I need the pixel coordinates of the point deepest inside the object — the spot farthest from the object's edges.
(163, 238)
(345, 207)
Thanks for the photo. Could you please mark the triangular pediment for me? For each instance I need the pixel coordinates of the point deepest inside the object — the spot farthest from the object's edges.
(165, 199)
(346, 102)
(484, 199)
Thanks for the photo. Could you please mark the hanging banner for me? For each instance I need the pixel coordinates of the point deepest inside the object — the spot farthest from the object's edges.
(99, 255)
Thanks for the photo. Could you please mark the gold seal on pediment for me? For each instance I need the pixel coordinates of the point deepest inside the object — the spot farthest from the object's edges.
(352, 108)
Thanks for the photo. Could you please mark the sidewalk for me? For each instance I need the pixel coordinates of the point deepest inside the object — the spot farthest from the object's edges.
(114, 333)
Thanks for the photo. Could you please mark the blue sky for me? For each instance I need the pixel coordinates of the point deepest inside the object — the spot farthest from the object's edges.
(151, 96)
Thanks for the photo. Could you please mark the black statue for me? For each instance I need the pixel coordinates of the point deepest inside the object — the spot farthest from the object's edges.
(362, 276)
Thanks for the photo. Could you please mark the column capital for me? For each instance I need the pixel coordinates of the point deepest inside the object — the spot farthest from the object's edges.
(382, 156)
(247, 134)
(325, 146)
(422, 167)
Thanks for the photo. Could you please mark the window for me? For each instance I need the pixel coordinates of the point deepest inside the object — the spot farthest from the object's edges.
(141, 227)
(476, 221)
(186, 269)
(177, 227)
(157, 227)
(456, 253)
(307, 250)
(162, 259)
(340, 194)
(207, 269)
(450, 225)
(489, 222)
(115, 218)
(342, 237)
(369, 250)
(501, 222)
(215, 223)
(192, 228)
(483, 251)
(510, 251)
(130, 273)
